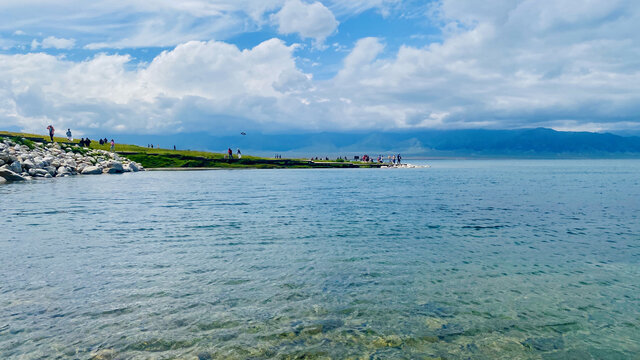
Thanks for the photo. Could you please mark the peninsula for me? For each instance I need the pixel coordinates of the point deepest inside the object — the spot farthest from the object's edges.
(31, 155)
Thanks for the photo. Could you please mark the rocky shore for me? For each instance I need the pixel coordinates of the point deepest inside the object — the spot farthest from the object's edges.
(24, 160)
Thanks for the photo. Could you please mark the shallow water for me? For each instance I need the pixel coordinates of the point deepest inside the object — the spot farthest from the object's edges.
(466, 259)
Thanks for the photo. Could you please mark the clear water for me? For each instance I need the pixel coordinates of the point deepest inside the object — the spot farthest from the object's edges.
(467, 259)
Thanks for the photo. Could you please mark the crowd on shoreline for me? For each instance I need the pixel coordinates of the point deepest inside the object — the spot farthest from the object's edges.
(391, 159)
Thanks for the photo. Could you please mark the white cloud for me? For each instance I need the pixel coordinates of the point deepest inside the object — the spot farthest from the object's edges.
(53, 42)
(207, 86)
(312, 20)
(524, 63)
(135, 23)
(19, 32)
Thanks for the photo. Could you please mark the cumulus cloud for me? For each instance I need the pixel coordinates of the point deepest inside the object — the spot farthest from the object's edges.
(524, 63)
(312, 20)
(196, 86)
(53, 42)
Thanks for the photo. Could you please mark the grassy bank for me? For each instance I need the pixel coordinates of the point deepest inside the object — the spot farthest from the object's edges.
(166, 158)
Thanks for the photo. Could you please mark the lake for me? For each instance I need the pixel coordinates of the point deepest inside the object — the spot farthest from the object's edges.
(480, 259)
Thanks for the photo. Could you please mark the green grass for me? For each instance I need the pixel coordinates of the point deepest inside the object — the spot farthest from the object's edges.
(166, 158)
(22, 141)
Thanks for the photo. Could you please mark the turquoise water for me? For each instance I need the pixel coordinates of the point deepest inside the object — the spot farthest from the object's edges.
(467, 259)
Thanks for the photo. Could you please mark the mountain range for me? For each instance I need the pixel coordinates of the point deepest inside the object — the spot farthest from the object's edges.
(538, 142)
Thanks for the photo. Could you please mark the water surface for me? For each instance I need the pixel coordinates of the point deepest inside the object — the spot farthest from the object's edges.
(467, 259)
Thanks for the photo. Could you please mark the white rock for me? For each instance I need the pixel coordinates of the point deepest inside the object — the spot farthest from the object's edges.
(2, 180)
(38, 172)
(69, 163)
(134, 167)
(63, 171)
(9, 175)
(116, 166)
(16, 167)
(91, 170)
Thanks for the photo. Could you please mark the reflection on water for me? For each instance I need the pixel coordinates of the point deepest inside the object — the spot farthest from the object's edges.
(467, 259)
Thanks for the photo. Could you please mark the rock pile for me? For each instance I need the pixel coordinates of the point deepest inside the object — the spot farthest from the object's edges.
(21, 162)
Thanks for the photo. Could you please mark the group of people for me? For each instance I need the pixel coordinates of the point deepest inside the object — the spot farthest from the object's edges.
(105, 141)
(230, 154)
(84, 142)
(393, 159)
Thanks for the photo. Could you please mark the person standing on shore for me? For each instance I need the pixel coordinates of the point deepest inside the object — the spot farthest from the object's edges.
(69, 137)
(239, 154)
(51, 131)
(230, 152)
(113, 145)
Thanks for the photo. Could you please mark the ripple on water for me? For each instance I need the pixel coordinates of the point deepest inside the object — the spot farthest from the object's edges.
(478, 260)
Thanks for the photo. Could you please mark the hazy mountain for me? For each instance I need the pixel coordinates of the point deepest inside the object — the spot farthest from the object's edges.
(539, 142)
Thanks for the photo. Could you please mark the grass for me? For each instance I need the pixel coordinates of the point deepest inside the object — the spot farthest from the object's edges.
(166, 158)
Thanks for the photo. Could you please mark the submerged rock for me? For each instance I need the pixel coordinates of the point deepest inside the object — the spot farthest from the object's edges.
(544, 344)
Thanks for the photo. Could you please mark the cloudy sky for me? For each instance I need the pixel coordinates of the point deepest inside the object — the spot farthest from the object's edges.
(220, 66)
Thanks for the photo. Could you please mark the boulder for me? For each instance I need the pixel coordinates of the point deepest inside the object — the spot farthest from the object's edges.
(91, 170)
(1, 162)
(39, 163)
(70, 163)
(28, 164)
(116, 166)
(133, 167)
(2, 180)
(16, 167)
(63, 171)
(51, 170)
(38, 172)
(9, 175)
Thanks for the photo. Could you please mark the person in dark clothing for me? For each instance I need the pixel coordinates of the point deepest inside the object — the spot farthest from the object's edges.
(51, 131)
(230, 152)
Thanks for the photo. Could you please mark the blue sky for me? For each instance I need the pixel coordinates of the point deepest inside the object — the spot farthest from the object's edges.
(217, 66)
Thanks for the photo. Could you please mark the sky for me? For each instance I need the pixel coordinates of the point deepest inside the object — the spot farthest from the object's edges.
(287, 66)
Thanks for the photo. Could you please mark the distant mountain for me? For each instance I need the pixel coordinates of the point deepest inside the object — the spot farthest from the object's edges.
(539, 142)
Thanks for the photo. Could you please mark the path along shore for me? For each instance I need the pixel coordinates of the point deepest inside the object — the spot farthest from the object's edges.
(22, 160)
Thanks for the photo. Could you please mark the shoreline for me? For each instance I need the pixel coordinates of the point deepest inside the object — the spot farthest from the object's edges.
(23, 160)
